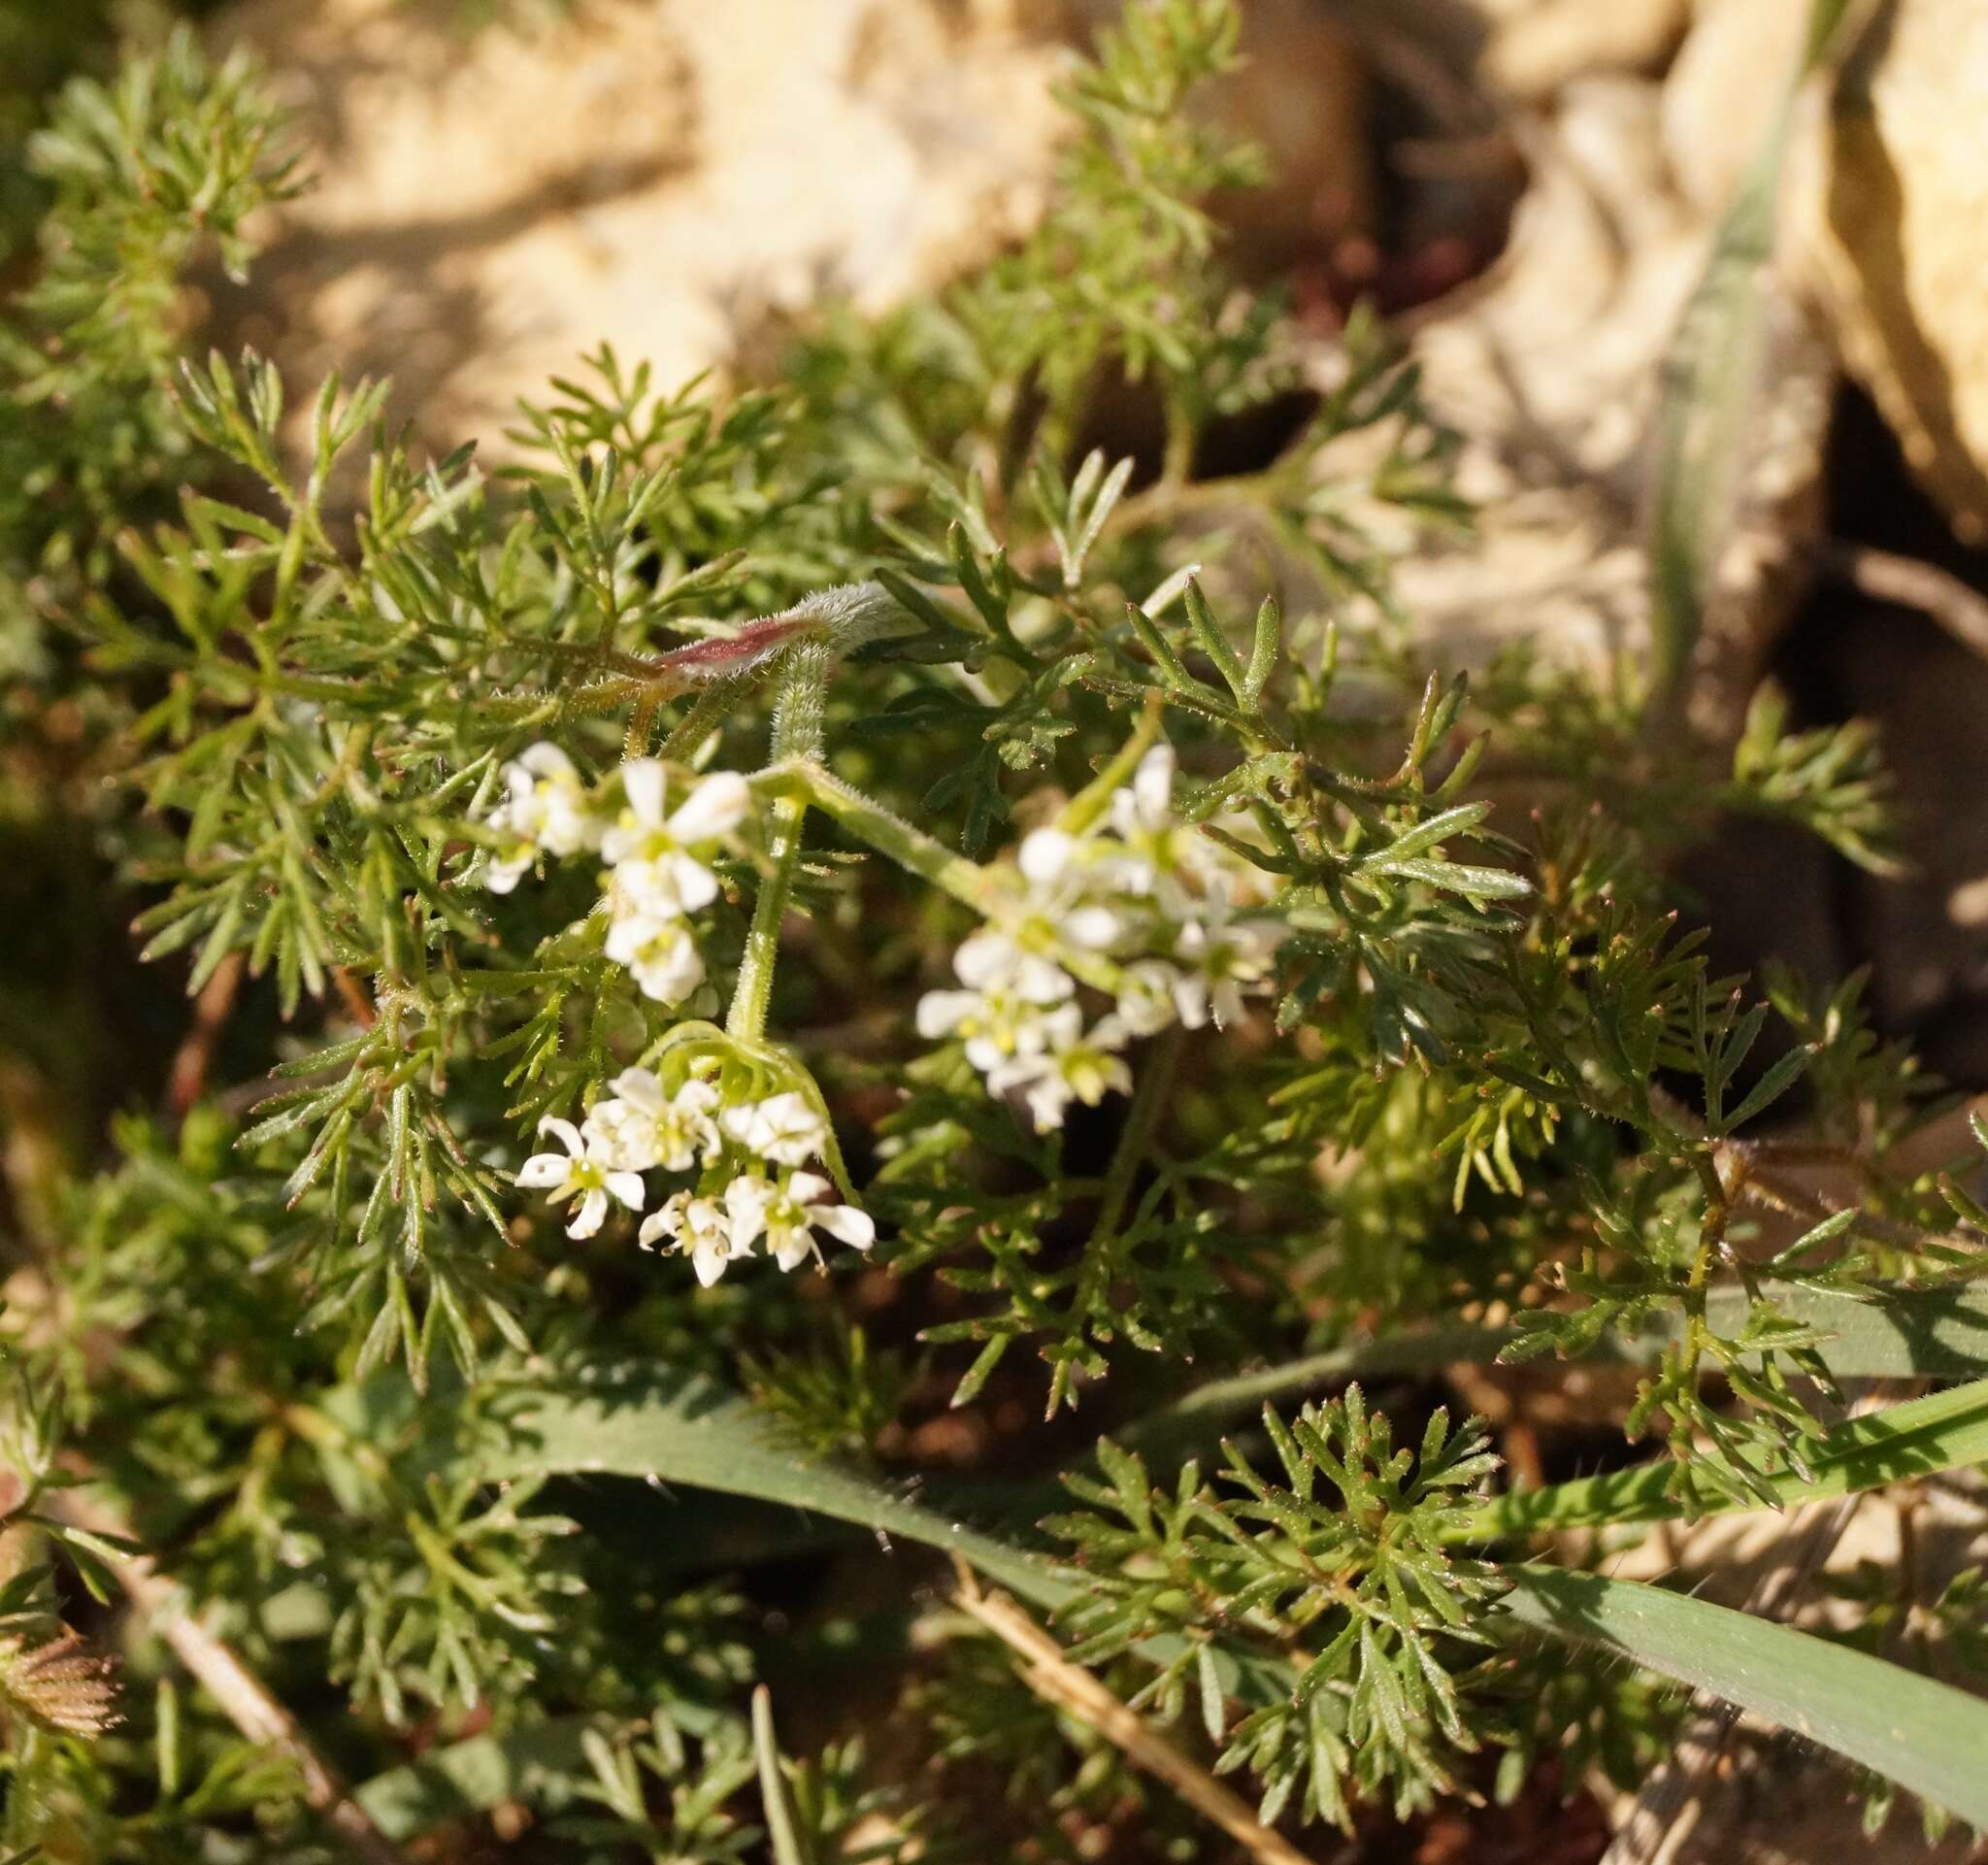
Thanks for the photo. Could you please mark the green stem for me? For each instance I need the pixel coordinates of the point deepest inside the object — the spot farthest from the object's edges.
(1135, 1138)
(800, 700)
(705, 715)
(891, 835)
(984, 889)
(1155, 1080)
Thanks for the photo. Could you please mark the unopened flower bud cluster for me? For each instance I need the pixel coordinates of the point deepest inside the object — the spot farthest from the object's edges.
(1141, 888)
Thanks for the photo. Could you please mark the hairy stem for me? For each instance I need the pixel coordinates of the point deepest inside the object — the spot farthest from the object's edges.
(800, 700)
(984, 889)
(1155, 1079)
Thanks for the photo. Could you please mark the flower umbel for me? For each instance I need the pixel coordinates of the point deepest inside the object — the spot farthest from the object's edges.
(782, 1128)
(547, 809)
(703, 1228)
(1147, 890)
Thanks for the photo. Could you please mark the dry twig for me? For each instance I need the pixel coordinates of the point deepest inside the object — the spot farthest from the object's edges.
(1910, 584)
(239, 1691)
(1056, 1680)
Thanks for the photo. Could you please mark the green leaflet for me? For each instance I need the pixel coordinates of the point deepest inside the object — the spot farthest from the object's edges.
(1943, 1431)
(448, 1782)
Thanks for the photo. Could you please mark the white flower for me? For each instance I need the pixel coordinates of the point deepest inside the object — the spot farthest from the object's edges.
(1220, 961)
(1077, 884)
(788, 1214)
(659, 949)
(575, 1172)
(784, 1129)
(704, 1228)
(547, 808)
(1148, 996)
(1156, 840)
(1001, 1013)
(1146, 807)
(641, 1127)
(653, 851)
(1076, 1067)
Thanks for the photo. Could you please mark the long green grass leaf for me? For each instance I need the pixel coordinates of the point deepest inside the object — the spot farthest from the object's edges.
(1927, 1736)
(1943, 1431)
(1710, 389)
(678, 1428)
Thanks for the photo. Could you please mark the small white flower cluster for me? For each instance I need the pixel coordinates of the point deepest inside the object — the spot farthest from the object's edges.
(1143, 889)
(752, 1159)
(658, 871)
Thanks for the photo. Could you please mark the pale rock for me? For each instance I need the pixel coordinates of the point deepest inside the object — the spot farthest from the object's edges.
(488, 206)
(1905, 244)
(1550, 369)
(1885, 210)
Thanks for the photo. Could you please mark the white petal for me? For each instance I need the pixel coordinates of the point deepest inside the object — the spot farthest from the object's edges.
(566, 1132)
(503, 877)
(1145, 996)
(786, 1129)
(1094, 928)
(1046, 1100)
(793, 1250)
(547, 761)
(628, 1187)
(1039, 982)
(643, 782)
(1015, 1071)
(984, 1053)
(716, 807)
(1152, 785)
(1046, 854)
(544, 1169)
(640, 1088)
(745, 1202)
(807, 1188)
(1057, 1029)
(671, 978)
(1190, 999)
(709, 1260)
(652, 1227)
(685, 882)
(588, 1216)
(941, 1013)
(847, 1225)
(986, 960)
(631, 934)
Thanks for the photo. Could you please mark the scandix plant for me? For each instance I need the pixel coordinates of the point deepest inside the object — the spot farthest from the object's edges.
(815, 900)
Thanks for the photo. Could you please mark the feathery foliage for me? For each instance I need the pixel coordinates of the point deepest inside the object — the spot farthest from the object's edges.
(830, 820)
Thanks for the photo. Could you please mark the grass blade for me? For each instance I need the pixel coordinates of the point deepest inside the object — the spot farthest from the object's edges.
(1943, 1431)
(681, 1428)
(1709, 391)
(1927, 1736)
